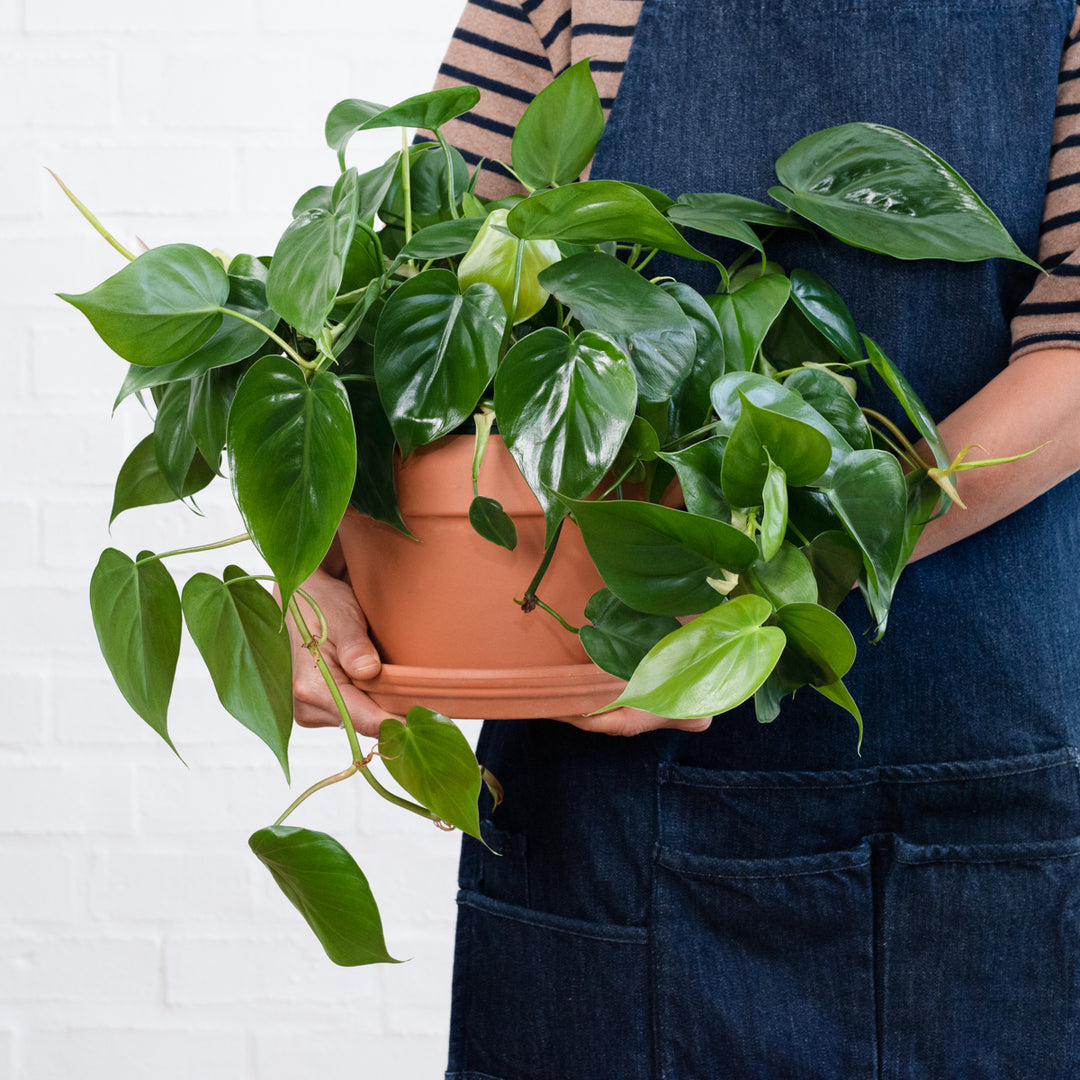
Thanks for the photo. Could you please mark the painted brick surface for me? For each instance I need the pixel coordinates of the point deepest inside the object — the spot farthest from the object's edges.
(139, 936)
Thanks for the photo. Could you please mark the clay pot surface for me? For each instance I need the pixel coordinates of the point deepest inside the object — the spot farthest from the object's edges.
(441, 607)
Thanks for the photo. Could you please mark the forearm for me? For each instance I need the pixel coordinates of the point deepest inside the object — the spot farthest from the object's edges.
(1035, 401)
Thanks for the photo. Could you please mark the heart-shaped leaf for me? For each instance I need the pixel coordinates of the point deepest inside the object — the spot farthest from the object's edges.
(292, 456)
(829, 397)
(555, 138)
(828, 314)
(786, 578)
(136, 611)
(710, 665)
(430, 758)
(436, 350)
(617, 637)
(564, 408)
(745, 316)
(159, 308)
(877, 188)
(323, 882)
(698, 468)
(239, 630)
(140, 482)
(492, 522)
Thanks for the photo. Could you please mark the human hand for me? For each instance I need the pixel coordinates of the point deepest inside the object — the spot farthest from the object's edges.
(626, 721)
(349, 655)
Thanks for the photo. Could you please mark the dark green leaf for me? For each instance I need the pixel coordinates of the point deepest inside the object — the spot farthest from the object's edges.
(836, 560)
(140, 483)
(292, 456)
(373, 489)
(880, 189)
(209, 403)
(430, 758)
(492, 522)
(710, 665)
(746, 315)
(309, 261)
(564, 408)
(239, 630)
(829, 397)
(595, 211)
(159, 308)
(828, 314)
(436, 350)
(690, 398)
(428, 186)
(136, 611)
(174, 444)
(711, 219)
(442, 240)
(698, 468)
(647, 324)
(738, 207)
(555, 138)
(656, 559)
(618, 637)
(323, 882)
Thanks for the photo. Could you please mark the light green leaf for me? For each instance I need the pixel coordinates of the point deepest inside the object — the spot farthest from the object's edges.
(774, 510)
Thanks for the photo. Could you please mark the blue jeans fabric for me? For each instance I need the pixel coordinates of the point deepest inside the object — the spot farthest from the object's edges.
(759, 901)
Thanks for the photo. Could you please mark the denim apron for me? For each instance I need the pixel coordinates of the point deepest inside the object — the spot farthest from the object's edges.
(759, 902)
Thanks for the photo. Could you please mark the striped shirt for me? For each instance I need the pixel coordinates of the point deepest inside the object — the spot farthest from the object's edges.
(511, 49)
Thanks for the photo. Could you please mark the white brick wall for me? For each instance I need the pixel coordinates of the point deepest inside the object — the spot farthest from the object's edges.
(138, 936)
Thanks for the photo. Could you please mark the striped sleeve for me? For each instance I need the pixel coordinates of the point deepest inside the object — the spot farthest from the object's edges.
(510, 50)
(1050, 316)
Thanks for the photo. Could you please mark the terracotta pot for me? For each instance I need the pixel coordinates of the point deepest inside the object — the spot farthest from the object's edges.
(441, 607)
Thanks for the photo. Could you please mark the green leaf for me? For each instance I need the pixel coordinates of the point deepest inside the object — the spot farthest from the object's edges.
(786, 578)
(829, 397)
(492, 522)
(373, 490)
(746, 315)
(698, 468)
(430, 758)
(174, 444)
(564, 408)
(595, 211)
(646, 323)
(309, 261)
(436, 350)
(711, 219)
(241, 634)
(428, 192)
(819, 645)
(292, 456)
(140, 482)
(428, 111)
(719, 205)
(442, 240)
(836, 560)
(877, 188)
(656, 559)
(710, 665)
(827, 313)
(555, 138)
(618, 637)
(323, 882)
(159, 308)
(210, 399)
(136, 611)
(774, 510)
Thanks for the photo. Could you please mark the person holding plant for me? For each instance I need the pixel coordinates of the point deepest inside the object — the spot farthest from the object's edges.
(755, 901)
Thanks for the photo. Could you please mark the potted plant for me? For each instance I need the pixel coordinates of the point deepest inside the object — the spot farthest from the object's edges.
(403, 320)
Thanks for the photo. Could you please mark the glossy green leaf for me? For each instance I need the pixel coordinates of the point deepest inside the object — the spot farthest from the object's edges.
(617, 637)
(323, 882)
(140, 482)
(442, 240)
(877, 188)
(762, 436)
(430, 758)
(159, 308)
(738, 207)
(427, 111)
(690, 405)
(786, 578)
(916, 411)
(699, 468)
(556, 136)
(647, 324)
(492, 522)
(428, 186)
(209, 402)
(564, 408)
(746, 315)
(829, 397)
(239, 630)
(174, 445)
(836, 560)
(819, 643)
(292, 457)
(136, 611)
(373, 490)
(309, 261)
(774, 510)
(710, 218)
(596, 211)
(436, 350)
(870, 497)
(828, 314)
(656, 559)
(710, 665)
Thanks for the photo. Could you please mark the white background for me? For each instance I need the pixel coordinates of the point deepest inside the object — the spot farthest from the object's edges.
(138, 936)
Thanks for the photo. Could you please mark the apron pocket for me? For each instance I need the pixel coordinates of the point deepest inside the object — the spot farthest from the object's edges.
(981, 968)
(765, 967)
(529, 988)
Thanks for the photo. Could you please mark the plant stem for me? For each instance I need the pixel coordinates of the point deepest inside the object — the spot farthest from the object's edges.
(85, 211)
(293, 354)
(406, 184)
(552, 612)
(913, 457)
(318, 786)
(549, 551)
(389, 796)
(202, 547)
